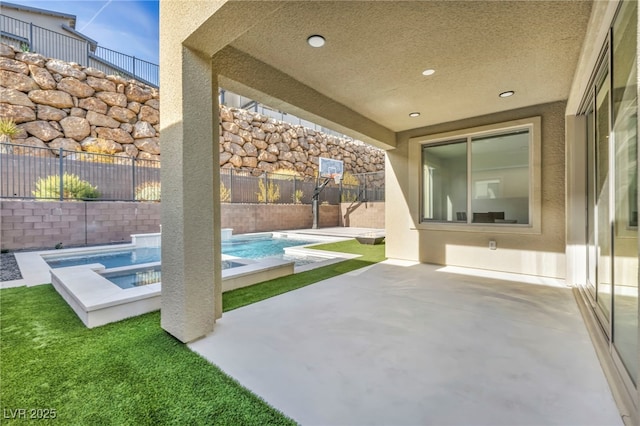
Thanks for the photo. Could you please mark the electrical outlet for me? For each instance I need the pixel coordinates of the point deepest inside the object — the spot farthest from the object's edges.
(492, 245)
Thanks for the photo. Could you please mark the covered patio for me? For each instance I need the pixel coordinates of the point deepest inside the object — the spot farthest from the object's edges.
(444, 87)
(404, 343)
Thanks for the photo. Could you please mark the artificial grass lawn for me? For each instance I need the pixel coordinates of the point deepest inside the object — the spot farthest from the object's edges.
(129, 372)
(244, 296)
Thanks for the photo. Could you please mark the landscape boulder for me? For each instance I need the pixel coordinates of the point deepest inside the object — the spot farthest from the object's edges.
(19, 113)
(76, 128)
(41, 130)
(101, 146)
(54, 98)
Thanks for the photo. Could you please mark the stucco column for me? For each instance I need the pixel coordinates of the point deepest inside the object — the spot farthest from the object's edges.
(402, 241)
(191, 275)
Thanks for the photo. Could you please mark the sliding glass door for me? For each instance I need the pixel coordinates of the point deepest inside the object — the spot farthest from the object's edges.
(611, 114)
(625, 197)
(602, 206)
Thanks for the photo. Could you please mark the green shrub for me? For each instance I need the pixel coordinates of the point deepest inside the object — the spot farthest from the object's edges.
(269, 193)
(149, 191)
(297, 196)
(225, 193)
(73, 188)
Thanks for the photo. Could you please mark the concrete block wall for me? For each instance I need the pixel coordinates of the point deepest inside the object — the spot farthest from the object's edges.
(362, 215)
(246, 218)
(43, 224)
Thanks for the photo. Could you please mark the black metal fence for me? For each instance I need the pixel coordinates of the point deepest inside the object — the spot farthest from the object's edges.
(28, 172)
(241, 186)
(32, 38)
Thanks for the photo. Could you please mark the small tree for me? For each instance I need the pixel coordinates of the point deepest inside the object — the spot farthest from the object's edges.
(72, 186)
(269, 193)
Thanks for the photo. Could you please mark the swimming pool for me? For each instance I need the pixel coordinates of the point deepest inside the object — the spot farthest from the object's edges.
(150, 275)
(246, 247)
(110, 259)
(110, 283)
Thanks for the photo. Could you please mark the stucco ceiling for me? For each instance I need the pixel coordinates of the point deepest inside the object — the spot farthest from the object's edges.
(375, 53)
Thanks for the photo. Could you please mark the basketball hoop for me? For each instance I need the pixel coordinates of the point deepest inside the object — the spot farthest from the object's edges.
(337, 177)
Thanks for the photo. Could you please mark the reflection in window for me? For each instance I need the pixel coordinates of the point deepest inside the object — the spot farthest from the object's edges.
(625, 124)
(444, 178)
(497, 184)
(500, 173)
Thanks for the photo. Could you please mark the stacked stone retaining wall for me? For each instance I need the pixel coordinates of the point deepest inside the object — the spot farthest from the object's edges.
(64, 105)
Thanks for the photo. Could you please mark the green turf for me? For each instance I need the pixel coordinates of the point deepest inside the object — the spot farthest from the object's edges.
(244, 296)
(130, 372)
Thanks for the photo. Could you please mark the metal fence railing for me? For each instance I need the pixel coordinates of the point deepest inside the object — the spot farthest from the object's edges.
(242, 186)
(144, 71)
(32, 38)
(28, 172)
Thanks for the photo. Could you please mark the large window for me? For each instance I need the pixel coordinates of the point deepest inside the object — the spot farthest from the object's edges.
(483, 177)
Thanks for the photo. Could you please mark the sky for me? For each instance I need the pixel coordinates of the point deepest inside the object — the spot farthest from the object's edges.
(126, 26)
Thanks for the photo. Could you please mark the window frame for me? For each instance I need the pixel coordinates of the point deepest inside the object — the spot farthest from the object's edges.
(416, 190)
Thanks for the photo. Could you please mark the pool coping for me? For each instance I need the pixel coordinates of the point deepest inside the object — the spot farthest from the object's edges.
(98, 301)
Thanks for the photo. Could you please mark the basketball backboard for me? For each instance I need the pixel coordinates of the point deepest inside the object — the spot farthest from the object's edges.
(330, 168)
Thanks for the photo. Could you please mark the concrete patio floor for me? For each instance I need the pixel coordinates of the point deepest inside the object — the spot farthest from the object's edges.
(409, 344)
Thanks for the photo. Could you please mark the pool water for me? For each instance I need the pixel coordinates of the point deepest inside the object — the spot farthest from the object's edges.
(246, 247)
(259, 247)
(130, 279)
(112, 259)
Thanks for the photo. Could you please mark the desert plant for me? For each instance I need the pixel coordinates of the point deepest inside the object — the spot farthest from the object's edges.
(349, 195)
(72, 186)
(349, 179)
(297, 196)
(8, 130)
(25, 48)
(269, 193)
(149, 191)
(225, 193)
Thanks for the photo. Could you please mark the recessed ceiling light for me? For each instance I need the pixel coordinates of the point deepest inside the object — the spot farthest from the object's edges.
(414, 114)
(507, 94)
(316, 40)
(428, 72)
